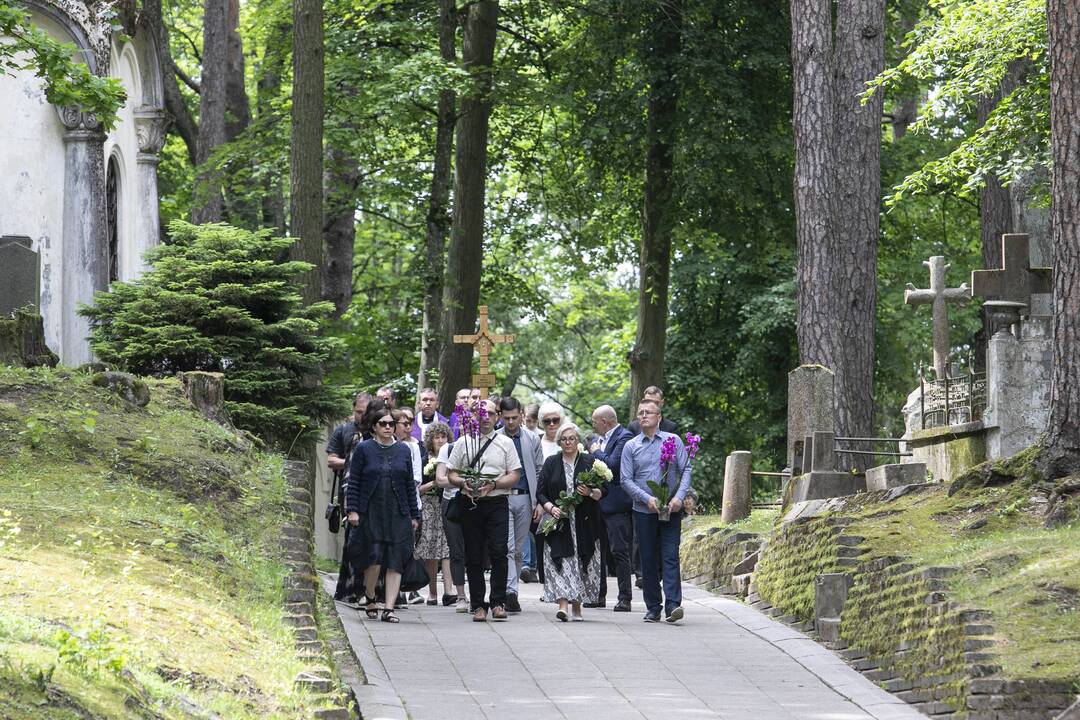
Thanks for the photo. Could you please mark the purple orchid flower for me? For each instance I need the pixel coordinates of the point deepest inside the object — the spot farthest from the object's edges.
(693, 444)
(668, 451)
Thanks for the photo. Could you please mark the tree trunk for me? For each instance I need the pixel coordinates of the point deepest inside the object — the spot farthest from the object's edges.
(237, 107)
(432, 339)
(838, 196)
(1063, 438)
(907, 107)
(212, 104)
(268, 89)
(465, 256)
(663, 46)
(306, 161)
(179, 113)
(339, 232)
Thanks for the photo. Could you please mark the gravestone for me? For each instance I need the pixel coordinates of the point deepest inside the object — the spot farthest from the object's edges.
(736, 487)
(886, 477)
(20, 274)
(822, 481)
(811, 406)
(1016, 281)
(938, 296)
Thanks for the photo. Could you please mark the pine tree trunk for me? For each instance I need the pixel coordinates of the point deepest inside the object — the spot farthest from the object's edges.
(464, 259)
(268, 90)
(212, 103)
(182, 121)
(661, 55)
(240, 209)
(432, 339)
(306, 158)
(1063, 438)
(339, 232)
(838, 196)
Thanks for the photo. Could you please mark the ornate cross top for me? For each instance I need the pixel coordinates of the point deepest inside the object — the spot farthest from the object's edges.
(1016, 281)
(483, 342)
(938, 296)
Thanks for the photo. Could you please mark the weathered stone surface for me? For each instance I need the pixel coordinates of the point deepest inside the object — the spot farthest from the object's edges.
(130, 388)
(736, 487)
(949, 451)
(822, 486)
(1018, 386)
(811, 404)
(314, 683)
(884, 477)
(938, 296)
(746, 565)
(20, 275)
(1072, 713)
(22, 341)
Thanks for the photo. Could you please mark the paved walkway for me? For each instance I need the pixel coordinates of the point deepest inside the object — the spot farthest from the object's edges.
(724, 660)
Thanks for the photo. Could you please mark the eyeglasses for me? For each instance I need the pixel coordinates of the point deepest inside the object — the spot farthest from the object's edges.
(386, 423)
(551, 421)
(646, 413)
(405, 422)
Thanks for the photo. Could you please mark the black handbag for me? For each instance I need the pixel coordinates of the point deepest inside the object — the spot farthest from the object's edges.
(333, 508)
(415, 576)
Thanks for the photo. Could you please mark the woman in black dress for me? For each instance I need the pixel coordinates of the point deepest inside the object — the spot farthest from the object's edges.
(382, 508)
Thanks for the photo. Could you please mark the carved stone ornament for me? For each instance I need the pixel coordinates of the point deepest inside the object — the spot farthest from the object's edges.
(75, 120)
(95, 19)
(150, 130)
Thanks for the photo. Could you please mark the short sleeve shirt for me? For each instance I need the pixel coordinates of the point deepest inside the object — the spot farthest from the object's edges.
(500, 458)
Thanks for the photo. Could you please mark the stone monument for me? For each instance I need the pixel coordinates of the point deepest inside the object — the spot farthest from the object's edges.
(811, 405)
(20, 275)
(938, 296)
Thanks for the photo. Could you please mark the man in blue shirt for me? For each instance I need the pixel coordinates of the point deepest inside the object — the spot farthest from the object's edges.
(658, 541)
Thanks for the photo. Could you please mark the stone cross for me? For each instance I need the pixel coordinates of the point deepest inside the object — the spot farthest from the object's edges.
(938, 296)
(1016, 281)
(20, 274)
(483, 342)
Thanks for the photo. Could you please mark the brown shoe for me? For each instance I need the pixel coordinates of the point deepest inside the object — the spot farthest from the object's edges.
(498, 613)
(480, 615)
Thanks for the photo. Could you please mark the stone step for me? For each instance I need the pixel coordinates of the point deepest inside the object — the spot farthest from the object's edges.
(978, 629)
(300, 595)
(897, 685)
(880, 676)
(935, 707)
(313, 683)
(306, 634)
(916, 696)
(971, 645)
(338, 713)
(978, 657)
(299, 620)
(852, 654)
(865, 664)
(976, 616)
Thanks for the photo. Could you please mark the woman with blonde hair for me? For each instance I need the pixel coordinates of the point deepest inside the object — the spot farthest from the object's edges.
(551, 419)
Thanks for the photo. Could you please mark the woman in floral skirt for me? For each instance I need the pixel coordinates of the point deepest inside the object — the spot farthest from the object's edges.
(431, 546)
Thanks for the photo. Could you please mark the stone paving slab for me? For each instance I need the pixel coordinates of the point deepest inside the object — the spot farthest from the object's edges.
(724, 660)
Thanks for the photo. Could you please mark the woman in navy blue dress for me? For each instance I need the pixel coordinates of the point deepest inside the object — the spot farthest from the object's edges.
(382, 508)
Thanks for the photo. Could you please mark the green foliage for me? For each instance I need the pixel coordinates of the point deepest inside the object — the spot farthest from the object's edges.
(221, 299)
(67, 82)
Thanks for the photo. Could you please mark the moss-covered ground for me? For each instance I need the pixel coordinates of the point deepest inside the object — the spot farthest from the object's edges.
(139, 569)
(760, 521)
(1007, 562)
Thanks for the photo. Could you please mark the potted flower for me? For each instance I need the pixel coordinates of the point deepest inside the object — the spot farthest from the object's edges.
(669, 458)
(473, 478)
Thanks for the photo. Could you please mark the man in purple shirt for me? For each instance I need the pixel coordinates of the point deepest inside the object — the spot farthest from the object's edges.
(658, 541)
(426, 414)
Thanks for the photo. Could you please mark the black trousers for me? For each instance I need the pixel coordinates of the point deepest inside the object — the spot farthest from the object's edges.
(456, 540)
(486, 527)
(620, 533)
(347, 584)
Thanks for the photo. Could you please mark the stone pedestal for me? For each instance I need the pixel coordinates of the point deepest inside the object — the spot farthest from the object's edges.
(817, 485)
(811, 405)
(830, 596)
(736, 487)
(884, 477)
(1018, 387)
(948, 451)
(85, 263)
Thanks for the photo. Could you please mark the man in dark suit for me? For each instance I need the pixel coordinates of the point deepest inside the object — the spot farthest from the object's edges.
(656, 395)
(616, 506)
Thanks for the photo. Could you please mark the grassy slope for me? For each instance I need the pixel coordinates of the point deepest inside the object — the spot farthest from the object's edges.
(1027, 575)
(139, 568)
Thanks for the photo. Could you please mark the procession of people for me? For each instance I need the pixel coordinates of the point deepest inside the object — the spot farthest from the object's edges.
(499, 494)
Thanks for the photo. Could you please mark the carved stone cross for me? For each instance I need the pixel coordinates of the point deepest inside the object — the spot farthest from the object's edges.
(483, 342)
(1016, 281)
(938, 296)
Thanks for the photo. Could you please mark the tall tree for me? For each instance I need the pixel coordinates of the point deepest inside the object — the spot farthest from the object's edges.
(837, 195)
(465, 255)
(306, 164)
(213, 99)
(268, 87)
(438, 215)
(182, 120)
(661, 55)
(1063, 438)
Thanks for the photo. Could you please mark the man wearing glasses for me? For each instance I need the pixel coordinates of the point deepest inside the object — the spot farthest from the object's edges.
(658, 541)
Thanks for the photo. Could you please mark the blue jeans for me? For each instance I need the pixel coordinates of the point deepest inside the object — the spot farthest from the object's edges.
(658, 543)
(528, 554)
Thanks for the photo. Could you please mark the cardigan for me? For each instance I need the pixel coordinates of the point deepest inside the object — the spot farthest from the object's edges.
(588, 520)
(370, 463)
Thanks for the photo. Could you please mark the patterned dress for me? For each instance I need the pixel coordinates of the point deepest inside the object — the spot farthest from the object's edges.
(432, 544)
(573, 581)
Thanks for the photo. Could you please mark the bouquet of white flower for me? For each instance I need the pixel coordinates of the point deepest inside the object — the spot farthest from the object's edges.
(594, 477)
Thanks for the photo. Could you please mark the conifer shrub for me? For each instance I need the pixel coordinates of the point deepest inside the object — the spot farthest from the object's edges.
(223, 299)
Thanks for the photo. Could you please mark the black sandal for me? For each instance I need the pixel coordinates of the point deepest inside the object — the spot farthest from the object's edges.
(389, 616)
(371, 608)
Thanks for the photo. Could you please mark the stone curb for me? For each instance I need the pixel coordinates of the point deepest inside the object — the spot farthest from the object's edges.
(376, 698)
(816, 658)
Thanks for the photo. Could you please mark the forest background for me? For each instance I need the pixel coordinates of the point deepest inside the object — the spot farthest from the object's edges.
(570, 137)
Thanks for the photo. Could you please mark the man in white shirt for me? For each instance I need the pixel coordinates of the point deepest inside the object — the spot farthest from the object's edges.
(486, 516)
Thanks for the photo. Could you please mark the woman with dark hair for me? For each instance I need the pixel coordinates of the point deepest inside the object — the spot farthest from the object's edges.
(383, 509)
(572, 550)
(432, 547)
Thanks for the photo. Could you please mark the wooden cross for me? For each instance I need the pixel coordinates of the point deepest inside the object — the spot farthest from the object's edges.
(1016, 281)
(938, 296)
(483, 342)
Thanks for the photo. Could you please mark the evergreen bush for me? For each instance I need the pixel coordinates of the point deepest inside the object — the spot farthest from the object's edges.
(223, 299)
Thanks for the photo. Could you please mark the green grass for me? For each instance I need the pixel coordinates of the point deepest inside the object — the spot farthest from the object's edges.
(760, 521)
(139, 568)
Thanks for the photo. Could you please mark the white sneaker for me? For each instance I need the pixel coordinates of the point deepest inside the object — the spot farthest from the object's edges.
(462, 605)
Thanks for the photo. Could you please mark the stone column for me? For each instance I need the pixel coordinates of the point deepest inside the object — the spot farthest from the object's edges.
(150, 134)
(84, 249)
(736, 487)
